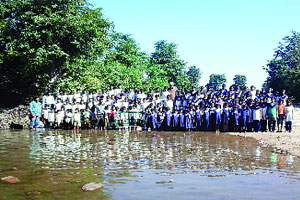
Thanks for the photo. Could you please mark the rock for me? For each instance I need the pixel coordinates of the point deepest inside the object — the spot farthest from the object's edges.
(10, 179)
(91, 186)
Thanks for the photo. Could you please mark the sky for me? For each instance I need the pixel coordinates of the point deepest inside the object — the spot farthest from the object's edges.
(218, 36)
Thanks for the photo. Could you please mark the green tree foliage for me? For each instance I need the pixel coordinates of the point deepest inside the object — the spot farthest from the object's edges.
(217, 80)
(42, 41)
(284, 69)
(194, 75)
(240, 80)
(167, 59)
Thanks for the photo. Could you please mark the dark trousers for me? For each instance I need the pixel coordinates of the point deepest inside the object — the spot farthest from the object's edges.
(263, 125)
(271, 125)
(256, 125)
(288, 126)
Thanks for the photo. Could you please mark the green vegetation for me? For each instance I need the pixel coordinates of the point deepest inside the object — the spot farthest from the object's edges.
(217, 80)
(67, 44)
(284, 68)
(240, 81)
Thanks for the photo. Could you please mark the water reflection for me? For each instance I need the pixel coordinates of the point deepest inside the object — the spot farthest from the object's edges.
(55, 164)
(181, 152)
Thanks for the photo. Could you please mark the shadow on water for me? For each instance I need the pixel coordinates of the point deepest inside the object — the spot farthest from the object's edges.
(145, 165)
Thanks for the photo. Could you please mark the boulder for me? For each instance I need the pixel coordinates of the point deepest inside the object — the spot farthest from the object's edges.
(91, 186)
(10, 179)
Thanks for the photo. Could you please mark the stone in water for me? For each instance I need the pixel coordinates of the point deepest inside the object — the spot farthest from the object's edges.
(10, 179)
(91, 186)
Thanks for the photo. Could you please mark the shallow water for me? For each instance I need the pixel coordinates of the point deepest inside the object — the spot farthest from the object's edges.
(56, 164)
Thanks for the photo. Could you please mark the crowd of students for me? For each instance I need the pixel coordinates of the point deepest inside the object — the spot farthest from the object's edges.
(206, 109)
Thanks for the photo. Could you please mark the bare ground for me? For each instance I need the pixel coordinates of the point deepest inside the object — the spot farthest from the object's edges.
(281, 142)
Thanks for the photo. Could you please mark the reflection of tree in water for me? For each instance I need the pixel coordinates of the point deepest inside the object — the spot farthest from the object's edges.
(205, 153)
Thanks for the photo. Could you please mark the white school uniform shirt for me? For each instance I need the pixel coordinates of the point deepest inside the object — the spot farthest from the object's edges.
(71, 97)
(76, 117)
(64, 98)
(164, 95)
(85, 97)
(125, 104)
(118, 91)
(45, 113)
(82, 106)
(142, 96)
(289, 113)
(67, 107)
(58, 106)
(74, 107)
(111, 92)
(169, 104)
(264, 113)
(51, 117)
(256, 113)
(131, 95)
(77, 97)
(59, 117)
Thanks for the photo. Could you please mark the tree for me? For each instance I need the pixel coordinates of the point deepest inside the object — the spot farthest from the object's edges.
(166, 57)
(42, 42)
(194, 75)
(217, 80)
(284, 69)
(240, 81)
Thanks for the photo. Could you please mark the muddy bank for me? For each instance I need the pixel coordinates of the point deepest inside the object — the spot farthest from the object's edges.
(14, 117)
(281, 142)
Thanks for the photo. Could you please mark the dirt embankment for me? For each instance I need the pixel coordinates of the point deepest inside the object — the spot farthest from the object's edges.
(282, 142)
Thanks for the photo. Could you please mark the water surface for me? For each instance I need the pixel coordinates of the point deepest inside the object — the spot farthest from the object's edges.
(145, 165)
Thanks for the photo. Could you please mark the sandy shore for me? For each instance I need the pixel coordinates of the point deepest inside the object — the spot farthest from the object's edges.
(281, 142)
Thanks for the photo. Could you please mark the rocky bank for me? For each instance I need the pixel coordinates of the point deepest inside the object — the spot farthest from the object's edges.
(14, 118)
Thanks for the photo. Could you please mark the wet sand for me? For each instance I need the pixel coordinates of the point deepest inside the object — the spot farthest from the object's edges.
(281, 142)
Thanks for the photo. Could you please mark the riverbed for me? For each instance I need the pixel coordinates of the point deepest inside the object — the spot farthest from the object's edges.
(143, 165)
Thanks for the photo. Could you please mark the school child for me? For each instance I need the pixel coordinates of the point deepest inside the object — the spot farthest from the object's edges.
(263, 121)
(58, 105)
(167, 119)
(212, 118)
(59, 119)
(257, 112)
(235, 118)
(178, 101)
(77, 96)
(100, 116)
(45, 116)
(206, 116)
(289, 112)
(86, 116)
(152, 120)
(132, 120)
(117, 117)
(218, 118)
(243, 118)
(76, 119)
(181, 121)
(107, 111)
(280, 115)
(82, 106)
(169, 103)
(188, 120)
(272, 115)
(174, 120)
(225, 117)
(160, 119)
(68, 119)
(197, 118)
(124, 119)
(49, 100)
(51, 118)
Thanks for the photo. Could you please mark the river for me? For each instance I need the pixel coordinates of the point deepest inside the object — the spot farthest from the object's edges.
(143, 165)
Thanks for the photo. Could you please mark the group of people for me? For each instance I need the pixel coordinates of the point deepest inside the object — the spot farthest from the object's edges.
(204, 109)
